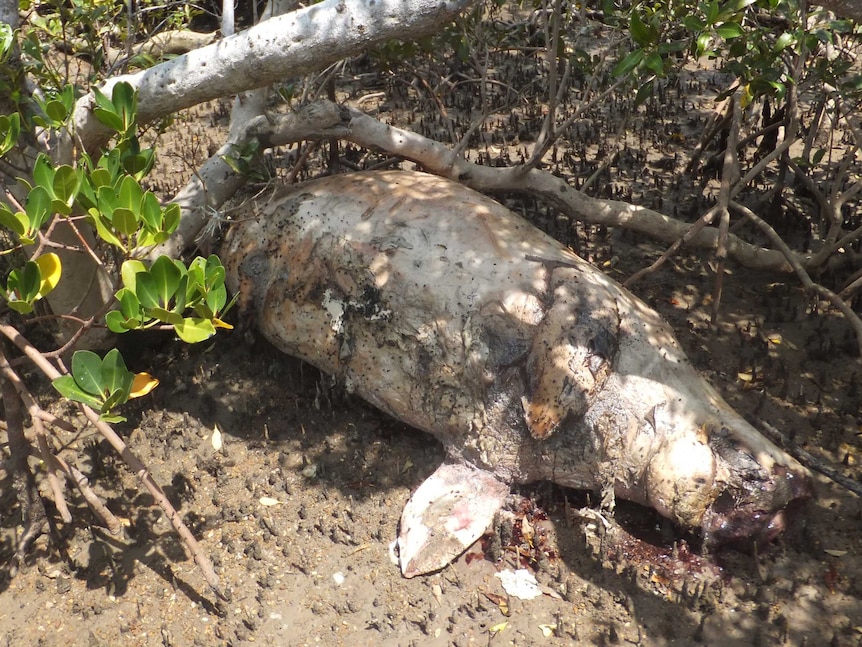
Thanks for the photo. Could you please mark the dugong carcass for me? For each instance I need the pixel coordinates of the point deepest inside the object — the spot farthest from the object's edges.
(451, 313)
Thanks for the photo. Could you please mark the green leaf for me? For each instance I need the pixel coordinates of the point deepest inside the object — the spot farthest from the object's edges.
(130, 194)
(123, 98)
(129, 271)
(102, 101)
(165, 316)
(194, 330)
(203, 310)
(627, 64)
(116, 378)
(693, 23)
(172, 217)
(112, 419)
(101, 177)
(151, 212)
(197, 272)
(7, 41)
(105, 113)
(129, 304)
(644, 92)
(729, 30)
(236, 165)
(116, 398)
(17, 222)
(21, 307)
(166, 278)
(87, 371)
(655, 63)
(104, 231)
(10, 130)
(644, 35)
(119, 324)
(146, 291)
(818, 155)
(56, 111)
(140, 164)
(124, 221)
(712, 11)
(181, 295)
(68, 388)
(215, 272)
(29, 281)
(786, 39)
(43, 172)
(108, 200)
(67, 183)
(58, 206)
(703, 42)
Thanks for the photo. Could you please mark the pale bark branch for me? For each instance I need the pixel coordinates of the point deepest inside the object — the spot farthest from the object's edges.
(216, 182)
(438, 159)
(354, 126)
(291, 45)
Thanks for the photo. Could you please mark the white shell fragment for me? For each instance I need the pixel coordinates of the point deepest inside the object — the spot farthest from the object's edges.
(216, 439)
(520, 584)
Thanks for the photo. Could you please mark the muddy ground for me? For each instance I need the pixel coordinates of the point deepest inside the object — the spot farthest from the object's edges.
(298, 507)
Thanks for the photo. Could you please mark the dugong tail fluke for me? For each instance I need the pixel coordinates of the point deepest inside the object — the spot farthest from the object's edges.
(444, 309)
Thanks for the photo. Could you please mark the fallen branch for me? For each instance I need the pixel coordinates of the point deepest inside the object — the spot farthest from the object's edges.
(810, 461)
(438, 159)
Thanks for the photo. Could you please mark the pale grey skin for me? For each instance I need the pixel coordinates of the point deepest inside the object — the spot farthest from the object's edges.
(444, 309)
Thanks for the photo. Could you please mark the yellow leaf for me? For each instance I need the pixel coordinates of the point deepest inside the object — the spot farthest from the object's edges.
(746, 97)
(548, 630)
(834, 553)
(218, 323)
(498, 628)
(50, 268)
(745, 377)
(142, 384)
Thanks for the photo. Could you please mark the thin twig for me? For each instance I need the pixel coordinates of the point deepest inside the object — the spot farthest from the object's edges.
(129, 457)
(552, 42)
(729, 174)
(539, 152)
(716, 120)
(83, 484)
(809, 460)
(33, 515)
(32, 408)
(804, 278)
(709, 216)
(690, 233)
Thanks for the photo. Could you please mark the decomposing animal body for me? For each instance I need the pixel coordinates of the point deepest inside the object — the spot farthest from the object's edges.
(451, 313)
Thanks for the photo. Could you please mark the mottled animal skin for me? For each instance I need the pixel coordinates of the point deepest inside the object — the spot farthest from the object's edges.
(446, 310)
